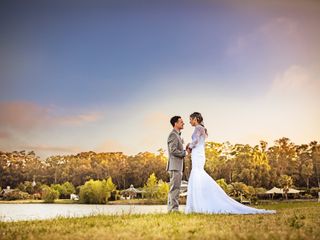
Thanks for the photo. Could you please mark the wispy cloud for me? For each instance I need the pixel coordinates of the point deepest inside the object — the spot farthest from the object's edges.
(280, 27)
(79, 118)
(4, 135)
(276, 30)
(23, 116)
(51, 148)
(295, 81)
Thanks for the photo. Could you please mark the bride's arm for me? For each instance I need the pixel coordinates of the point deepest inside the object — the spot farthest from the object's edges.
(198, 131)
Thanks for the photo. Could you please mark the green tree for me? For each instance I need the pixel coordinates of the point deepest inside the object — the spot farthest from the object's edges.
(96, 191)
(283, 160)
(239, 188)
(67, 189)
(315, 155)
(49, 194)
(111, 187)
(151, 186)
(286, 182)
(222, 183)
(307, 170)
(163, 190)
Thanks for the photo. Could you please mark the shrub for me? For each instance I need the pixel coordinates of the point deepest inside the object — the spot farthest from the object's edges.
(151, 187)
(96, 191)
(239, 188)
(67, 189)
(16, 194)
(251, 192)
(49, 194)
(26, 186)
(222, 183)
(307, 196)
(36, 196)
(163, 190)
(58, 188)
(260, 190)
(314, 192)
(156, 190)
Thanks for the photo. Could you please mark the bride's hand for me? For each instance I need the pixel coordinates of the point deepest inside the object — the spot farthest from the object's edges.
(188, 150)
(187, 146)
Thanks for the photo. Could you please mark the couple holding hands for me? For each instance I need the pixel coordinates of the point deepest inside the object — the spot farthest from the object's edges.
(204, 194)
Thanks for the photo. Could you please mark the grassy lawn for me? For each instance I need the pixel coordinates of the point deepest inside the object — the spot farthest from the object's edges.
(300, 220)
(139, 202)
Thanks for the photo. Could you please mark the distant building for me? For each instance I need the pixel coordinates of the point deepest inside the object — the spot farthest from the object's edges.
(74, 197)
(131, 192)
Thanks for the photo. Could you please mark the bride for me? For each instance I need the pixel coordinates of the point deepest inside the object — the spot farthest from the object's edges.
(204, 194)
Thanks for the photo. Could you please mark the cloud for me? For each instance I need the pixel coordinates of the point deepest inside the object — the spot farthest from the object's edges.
(295, 81)
(280, 26)
(50, 148)
(279, 31)
(23, 116)
(79, 119)
(290, 106)
(5, 135)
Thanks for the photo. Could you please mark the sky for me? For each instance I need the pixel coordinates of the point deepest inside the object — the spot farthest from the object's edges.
(108, 75)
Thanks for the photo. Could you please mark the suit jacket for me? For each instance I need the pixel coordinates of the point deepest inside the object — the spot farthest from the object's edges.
(176, 152)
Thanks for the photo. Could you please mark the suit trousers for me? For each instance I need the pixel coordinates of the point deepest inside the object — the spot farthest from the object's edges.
(175, 184)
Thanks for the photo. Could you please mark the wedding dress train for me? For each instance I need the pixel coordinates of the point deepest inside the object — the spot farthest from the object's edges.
(204, 194)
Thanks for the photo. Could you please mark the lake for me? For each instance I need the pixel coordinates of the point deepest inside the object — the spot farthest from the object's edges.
(19, 212)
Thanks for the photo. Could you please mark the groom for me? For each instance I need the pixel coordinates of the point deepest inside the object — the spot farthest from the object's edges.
(175, 163)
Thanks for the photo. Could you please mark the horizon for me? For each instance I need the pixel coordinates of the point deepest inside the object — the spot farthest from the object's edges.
(154, 152)
(108, 76)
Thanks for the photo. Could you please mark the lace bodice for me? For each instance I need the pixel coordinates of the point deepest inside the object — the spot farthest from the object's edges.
(198, 136)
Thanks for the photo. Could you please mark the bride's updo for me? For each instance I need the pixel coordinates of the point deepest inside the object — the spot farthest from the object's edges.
(199, 118)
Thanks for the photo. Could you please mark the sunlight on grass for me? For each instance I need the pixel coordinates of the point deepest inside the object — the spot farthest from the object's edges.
(292, 221)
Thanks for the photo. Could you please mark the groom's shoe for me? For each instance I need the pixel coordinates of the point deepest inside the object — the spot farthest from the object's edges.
(174, 211)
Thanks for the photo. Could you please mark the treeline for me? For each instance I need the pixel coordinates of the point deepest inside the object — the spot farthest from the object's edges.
(260, 166)
(17, 167)
(257, 166)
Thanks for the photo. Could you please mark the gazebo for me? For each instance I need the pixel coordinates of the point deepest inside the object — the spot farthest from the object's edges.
(183, 190)
(276, 190)
(184, 186)
(132, 192)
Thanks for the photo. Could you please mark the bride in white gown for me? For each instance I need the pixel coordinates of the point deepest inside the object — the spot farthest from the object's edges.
(204, 194)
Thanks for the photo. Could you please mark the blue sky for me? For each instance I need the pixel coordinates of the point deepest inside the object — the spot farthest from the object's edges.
(107, 75)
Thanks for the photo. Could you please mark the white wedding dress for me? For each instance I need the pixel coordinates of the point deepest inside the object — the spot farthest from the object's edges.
(204, 194)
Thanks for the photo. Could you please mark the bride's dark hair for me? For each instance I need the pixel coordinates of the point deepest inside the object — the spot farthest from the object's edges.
(199, 118)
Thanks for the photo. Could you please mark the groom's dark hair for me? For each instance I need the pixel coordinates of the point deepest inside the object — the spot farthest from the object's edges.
(174, 119)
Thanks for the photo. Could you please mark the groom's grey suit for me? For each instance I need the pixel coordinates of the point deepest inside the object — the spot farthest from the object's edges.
(175, 168)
